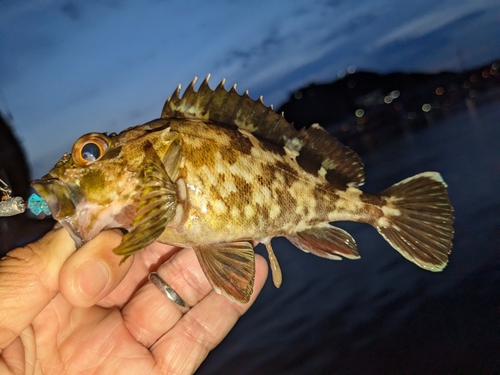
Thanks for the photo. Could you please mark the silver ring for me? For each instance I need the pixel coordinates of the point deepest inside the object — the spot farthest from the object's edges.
(169, 292)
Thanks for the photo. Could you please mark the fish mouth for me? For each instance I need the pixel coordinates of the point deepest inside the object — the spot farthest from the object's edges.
(62, 200)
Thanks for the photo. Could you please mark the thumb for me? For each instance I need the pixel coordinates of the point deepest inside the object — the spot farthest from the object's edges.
(29, 280)
(94, 270)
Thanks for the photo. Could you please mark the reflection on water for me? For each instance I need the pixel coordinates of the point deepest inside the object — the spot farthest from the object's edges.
(381, 314)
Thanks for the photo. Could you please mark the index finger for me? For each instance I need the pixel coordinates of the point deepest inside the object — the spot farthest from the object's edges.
(29, 280)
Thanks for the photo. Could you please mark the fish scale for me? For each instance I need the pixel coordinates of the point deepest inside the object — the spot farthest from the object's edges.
(220, 172)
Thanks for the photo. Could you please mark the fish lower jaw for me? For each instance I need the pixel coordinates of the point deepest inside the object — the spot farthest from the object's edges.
(91, 219)
(73, 231)
(83, 235)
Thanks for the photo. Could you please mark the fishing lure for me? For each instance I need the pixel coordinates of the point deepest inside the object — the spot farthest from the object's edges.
(37, 205)
(10, 206)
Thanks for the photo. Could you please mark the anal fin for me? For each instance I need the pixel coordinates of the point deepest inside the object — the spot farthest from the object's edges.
(326, 241)
(229, 267)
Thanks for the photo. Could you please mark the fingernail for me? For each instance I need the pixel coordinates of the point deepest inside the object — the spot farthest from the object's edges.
(92, 278)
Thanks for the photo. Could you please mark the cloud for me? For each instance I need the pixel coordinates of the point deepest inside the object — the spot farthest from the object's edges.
(430, 22)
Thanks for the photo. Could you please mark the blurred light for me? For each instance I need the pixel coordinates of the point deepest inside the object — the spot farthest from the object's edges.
(388, 99)
(473, 78)
(493, 71)
(297, 95)
(426, 107)
(359, 112)
(341, 73)
(351, 84)
(394, 94)
(495, 66)
(473, 93)
(411, 115)
(439, 91)
(360, 128)
(351, 69)
(485, 74)
(344, 126)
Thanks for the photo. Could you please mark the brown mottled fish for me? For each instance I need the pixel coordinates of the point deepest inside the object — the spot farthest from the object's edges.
(219, 172)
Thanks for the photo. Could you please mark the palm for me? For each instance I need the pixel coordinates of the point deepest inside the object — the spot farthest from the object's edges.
(87, 340)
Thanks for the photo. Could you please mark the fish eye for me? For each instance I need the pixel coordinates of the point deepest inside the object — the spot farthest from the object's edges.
(90, 148)
(91, 152)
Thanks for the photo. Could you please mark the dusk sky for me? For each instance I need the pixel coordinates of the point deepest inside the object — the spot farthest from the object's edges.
(68, 68)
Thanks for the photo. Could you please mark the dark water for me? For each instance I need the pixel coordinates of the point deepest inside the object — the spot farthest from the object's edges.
(382, 314)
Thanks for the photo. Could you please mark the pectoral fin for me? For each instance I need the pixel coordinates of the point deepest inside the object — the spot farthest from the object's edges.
(325, 241)
(230, 268)
(157, 205)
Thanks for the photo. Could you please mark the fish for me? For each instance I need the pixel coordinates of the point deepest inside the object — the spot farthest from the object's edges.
(220, 172)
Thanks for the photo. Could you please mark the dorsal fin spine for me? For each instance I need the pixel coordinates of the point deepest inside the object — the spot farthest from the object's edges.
(190, 88)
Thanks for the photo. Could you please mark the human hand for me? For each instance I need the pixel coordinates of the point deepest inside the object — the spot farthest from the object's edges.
(59, 314)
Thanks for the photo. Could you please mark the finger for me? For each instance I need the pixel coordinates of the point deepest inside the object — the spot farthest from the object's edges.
(202, 328)
(149, 314)
(29, 280)
(93, 271)
(145, 261)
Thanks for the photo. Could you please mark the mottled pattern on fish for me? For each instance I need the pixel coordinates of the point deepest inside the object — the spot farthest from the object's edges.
(238, 189)
(220, 172)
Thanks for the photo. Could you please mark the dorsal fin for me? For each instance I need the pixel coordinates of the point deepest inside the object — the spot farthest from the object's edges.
(340, 163)
(315, 148)
(228, 107)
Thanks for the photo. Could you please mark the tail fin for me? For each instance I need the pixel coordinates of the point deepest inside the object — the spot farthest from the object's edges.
(417, 220)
